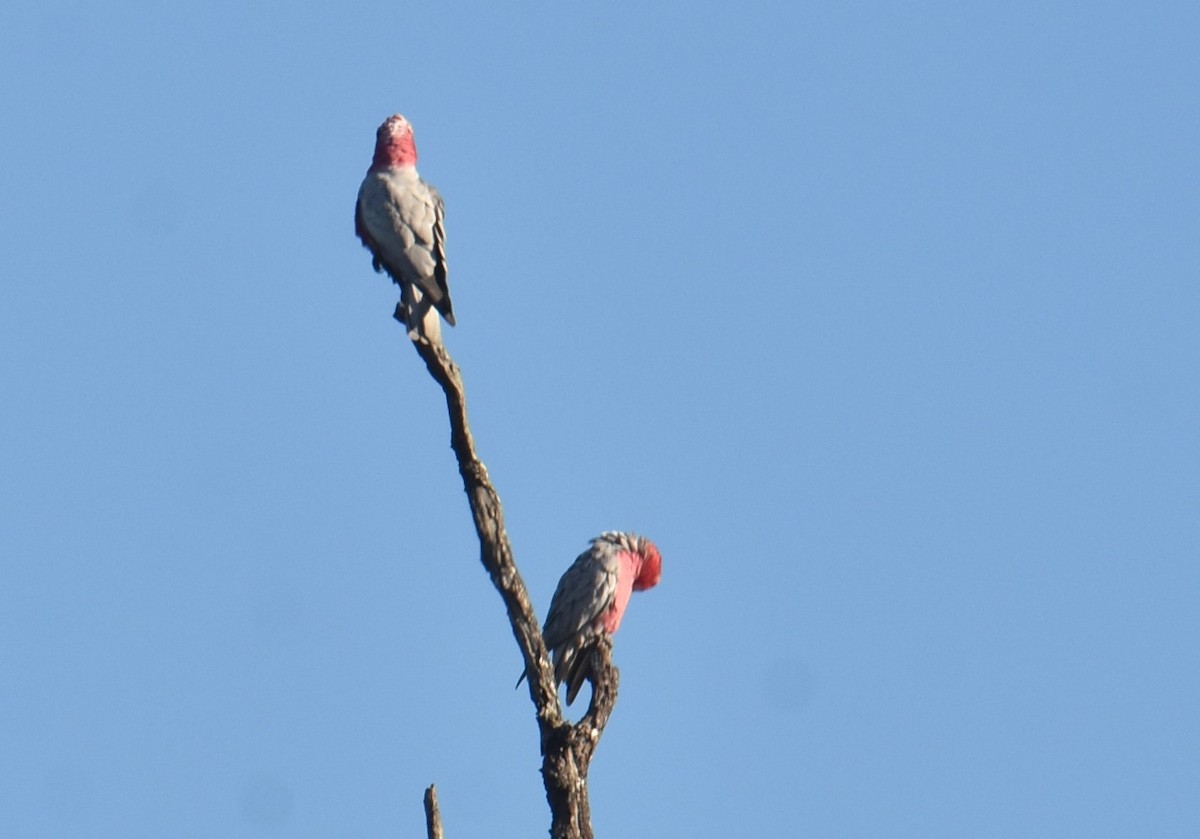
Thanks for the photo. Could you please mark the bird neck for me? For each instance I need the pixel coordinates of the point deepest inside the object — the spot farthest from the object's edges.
(395, 153)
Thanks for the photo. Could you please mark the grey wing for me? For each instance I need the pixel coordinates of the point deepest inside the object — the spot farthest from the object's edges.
(418, 215)
(442, 297)
(365, 219)
(585, 590)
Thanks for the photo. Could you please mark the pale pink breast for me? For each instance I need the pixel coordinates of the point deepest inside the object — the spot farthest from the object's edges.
(628, 565)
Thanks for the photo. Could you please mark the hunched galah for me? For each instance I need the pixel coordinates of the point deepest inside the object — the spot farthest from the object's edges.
(591, 598)
(399, 219)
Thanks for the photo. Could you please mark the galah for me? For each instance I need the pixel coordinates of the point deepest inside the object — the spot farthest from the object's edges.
(591, 598)
(399, 219)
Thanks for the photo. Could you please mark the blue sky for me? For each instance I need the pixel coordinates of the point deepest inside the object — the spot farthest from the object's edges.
(880, 318)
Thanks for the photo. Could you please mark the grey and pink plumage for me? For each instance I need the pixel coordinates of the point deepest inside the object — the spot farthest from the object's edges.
(400, 219)
(591, 598)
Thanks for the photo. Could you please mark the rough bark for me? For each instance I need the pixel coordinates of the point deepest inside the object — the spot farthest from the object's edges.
(567, 749)
(433, 816)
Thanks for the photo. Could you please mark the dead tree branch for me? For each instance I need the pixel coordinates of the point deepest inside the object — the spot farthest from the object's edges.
(433, 816)
(567, 749)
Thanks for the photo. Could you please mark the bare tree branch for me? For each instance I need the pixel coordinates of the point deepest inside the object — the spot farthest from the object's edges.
(495, 551)
(568, 755)
(433, 816)
(567, 749)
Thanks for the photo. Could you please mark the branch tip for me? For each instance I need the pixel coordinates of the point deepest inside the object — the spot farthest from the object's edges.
(433, 816)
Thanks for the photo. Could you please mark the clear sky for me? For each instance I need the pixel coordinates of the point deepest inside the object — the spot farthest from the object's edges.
(880, 318)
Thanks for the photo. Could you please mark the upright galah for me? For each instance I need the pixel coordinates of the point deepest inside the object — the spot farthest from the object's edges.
(591, 598)
(399, 219)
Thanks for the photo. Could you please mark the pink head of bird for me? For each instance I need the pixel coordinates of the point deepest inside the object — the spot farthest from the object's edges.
(394, 145)
(651, 571)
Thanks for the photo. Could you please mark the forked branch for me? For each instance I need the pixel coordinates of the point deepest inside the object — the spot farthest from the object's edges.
(567, 749)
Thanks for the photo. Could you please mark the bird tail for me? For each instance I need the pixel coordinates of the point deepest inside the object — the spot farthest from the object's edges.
(418, 313)
(562, 664)
(571, 668)
(572, 672)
